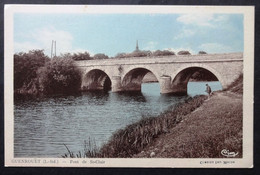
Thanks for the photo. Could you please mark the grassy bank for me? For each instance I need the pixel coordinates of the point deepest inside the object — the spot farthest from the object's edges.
(205, 132)
(199, 127)
(236, 86)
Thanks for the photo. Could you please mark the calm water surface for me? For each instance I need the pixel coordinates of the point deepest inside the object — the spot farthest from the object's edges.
(42, 126)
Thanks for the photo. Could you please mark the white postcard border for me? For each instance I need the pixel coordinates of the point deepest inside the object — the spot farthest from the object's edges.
(245, 162)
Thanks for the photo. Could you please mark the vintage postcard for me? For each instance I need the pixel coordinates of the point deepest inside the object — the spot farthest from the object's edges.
(129, 86)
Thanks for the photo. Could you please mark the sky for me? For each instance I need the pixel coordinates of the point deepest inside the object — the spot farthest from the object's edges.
(117, 33)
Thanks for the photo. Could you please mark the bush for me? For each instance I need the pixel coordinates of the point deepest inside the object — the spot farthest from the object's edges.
(163, 53)
(82, 56)
(100, 56)
(139, 54)
(67, 56)
(121, 55)
(26, 66)
(184, 52)
(59, 76)
(202, 52)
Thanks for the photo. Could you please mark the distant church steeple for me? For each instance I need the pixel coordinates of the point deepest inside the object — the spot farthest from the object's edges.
(137, 48)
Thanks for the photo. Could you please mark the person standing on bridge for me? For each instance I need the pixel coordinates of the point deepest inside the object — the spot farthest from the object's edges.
(208, 90)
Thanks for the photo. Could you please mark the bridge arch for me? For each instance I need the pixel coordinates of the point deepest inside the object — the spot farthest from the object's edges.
(206, 67)
(96, 79)
(132, 79)
(181, 76)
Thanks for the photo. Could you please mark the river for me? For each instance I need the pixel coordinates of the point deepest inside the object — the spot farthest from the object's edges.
(42, 126)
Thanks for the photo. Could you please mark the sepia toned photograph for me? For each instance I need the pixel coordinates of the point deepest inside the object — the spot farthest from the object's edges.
(129, 86)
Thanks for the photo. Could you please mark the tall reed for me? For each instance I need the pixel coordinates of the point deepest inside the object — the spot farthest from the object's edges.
(90, 150)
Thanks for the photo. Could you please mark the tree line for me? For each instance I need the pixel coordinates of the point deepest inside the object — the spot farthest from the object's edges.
(36, 73)
(84, 56)
(144, 53)
(136, 53)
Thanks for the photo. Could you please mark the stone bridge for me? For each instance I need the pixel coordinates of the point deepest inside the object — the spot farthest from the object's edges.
(172, 72)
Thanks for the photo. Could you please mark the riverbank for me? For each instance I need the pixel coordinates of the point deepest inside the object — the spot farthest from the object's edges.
(199, 127)
(214, 126)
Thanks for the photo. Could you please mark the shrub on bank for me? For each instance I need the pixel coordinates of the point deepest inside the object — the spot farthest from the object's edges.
(26, 66)
(59, 76)
(35, 73)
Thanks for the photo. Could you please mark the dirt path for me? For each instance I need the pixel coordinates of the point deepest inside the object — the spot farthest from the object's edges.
(214, 126)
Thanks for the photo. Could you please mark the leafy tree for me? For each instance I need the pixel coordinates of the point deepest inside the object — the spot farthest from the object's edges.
(121, 55)
(144, 53)
(139, 53)
(163, 53)
(100, 56)
(82, 56)
(66, 56)
(26, 66)
(59, 76)
(184, 52)
(202, 52)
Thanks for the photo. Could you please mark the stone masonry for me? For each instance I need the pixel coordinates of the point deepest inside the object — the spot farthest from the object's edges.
(172, 72)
